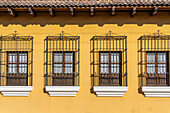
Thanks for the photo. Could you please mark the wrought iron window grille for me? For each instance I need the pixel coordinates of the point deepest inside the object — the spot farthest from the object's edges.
(16, 60)
(62, 60)
(109, 60)
(153, 59)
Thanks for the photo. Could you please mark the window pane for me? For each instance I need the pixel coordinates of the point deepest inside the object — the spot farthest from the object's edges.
(104, 68)
(68, 68)
(162, 57)
(22, 68)
(58, 68)
(23, 58)
(68, 57)
(12, 68)
(12, 57)
(150, 57)
(161, 68)
(114, 57)
(104, 57)
(150, 68)
(114, 68)
(58, 57)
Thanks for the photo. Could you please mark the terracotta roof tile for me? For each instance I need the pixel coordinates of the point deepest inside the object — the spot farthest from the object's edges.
(81, 3)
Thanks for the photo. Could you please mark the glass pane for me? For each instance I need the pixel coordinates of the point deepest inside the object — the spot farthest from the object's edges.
(162, 57)
(104, 57)
(58, 57)
(115, 57)
(150, 68)
(68, 68)
(150, 57)
(104, 68)
(22, 68)
(58, 68)
(161, 68)
(12, 68)
(69, 57)
(23, 58)
(12, 57)
(114, 68)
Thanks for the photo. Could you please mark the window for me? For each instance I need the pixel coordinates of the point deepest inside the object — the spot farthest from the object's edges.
(156, 68)
(110, 68)
(62, 60)
(17, 68)
(153, 56)
(63, 68)
(16, 60)
(109, 60)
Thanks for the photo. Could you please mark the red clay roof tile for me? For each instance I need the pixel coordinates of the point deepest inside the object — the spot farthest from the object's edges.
(81, 3)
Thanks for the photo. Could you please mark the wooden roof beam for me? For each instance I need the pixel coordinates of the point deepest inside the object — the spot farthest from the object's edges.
(113, 10)
(154, 11)
(31, 12)
(72, 11)
(51, 11)
(11, 12)
(91, 11)
(133, 12)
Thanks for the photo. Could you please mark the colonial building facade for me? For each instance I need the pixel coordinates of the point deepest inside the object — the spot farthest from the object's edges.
(84, 56)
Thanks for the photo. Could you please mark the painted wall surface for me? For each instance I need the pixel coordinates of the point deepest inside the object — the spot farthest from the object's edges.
(85, 101)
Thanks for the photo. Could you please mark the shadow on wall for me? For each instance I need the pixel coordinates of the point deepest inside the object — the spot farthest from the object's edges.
(82, 18)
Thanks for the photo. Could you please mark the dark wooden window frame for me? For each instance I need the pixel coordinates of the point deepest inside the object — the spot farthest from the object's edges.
(17, 76)
(156, 68)
(64, 77)
(109, 75)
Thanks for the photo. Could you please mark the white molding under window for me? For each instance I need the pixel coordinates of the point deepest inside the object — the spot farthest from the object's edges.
(110, 91)
(62, 90)
(156, 91)
(16, 90)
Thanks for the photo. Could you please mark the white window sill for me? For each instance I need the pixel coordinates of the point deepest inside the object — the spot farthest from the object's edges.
(16, 90)
(110, 91)
(62, 90)
(156, 91)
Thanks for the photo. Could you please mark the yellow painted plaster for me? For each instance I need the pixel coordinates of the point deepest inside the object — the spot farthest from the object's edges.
(84, 102)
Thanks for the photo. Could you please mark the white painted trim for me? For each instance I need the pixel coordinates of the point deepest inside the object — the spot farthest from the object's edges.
(16, 90)
(62, 90)
(156, 91)
(110, 91)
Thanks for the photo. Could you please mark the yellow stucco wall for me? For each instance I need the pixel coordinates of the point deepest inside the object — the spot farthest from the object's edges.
(85, 101)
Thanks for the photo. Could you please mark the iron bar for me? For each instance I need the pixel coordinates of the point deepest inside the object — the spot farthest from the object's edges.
(153, 53)
(63, 64)
(16, 60)
(109, 61)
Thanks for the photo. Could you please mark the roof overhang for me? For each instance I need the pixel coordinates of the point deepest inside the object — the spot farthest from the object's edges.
(112, 6)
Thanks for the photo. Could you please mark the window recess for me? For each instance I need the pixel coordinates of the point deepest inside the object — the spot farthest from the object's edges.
(153, 63)
(63, 68)
(62, 64)
(17, 68)
(16, 63)
(110, 68)
(109, 63)
(157, 68)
